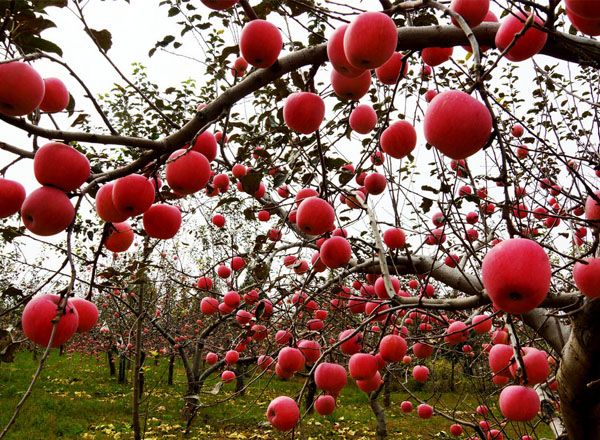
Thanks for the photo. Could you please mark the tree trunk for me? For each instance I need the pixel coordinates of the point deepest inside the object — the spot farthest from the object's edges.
(142, 377)
(138, 361)
(310, 395)
(381, 430)
(240, 372)
(111, 362)
(578, 377)
(61, 350)
(171, 368)
(387, 392)
(122, 368)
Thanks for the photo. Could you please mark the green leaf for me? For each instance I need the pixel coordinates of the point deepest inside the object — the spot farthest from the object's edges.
(173, 11)
(103, 38)
(30, 43)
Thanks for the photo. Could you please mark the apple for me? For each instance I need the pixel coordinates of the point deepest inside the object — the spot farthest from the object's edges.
(420, 373)
(399, 139)
(456, 333)
(370, 385)
(56, 96)
(325, 405)
(500, 359)
(105, 207)
(88, 314)
(206, 144)
(335, 252)
(529, 44)
(584, 25)
(231, 357)
(424, 411)
(265, 362)
(238, 170)
(133, 194)
(260, 331)
(337, 56)
(421, 350)
(518, 403)
(389, 73)
(362, 366)
(363, 119)
(204, 283)
(482, 324)
(457, 124)
(315, 216)
(219, 5)
(370, 40)
(310, 349)
(218, 220)
(209, 306)
(587, 277)
(119, 238)
(592, 209)
(516, 274)
(228, 376)
(380, 289)
(211, 358)
(304, 112)
(429, 95)
(330, 377)
(37, 320)
(375, 183)
(584, 8)
(243, 317)
(283, 412)
(536, 366)
(223, 271)
(473, 11)
(61, 166)
(352, 345)
(406, 406)
(456, 430)
(187, 173)
(434, 56)
(291, 359)
(162, 221)
(12, 195)
(350, 88)
(394, 238)
(260, 43)
(47, 211)
(21, 89)
(392, 348)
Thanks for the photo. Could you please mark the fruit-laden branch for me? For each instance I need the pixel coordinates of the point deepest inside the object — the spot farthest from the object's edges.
(583, 51)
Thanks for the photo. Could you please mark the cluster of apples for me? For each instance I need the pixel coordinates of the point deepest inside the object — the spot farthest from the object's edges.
(80, 316)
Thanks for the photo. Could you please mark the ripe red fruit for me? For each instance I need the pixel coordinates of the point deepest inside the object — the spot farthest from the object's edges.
(394, 238)
(228, 376)
(422, 350)
(429, 95)
(420, 373)
(456, 333)
(350, 88)
(260, 43)
(47, 211)
(424, 411)
(399, 139)
(238, 170)
(291, 359)
(206, 144)
(499, 359)
(330, 377)
(12, 195)
(61, 166)
(375, 183)
(283, 412)
(209, 306)
(528, 44)
(88, 314)
(105, 207)
(516, 274)
(211, 358)
(371, 384)
(592, 209)
(434, 56)
(518, 403)
(325, 405)
(304, 112)
(390, 72)
(482, 324)
(219, 5)
(362, 366)
(315, 216)
(380, 289)
(187, 173)
(133, 195)
(584, 25)
(335, 252)
(56, 96)
(584, 8)
(587, 277)
(406, 406)
(352, 345)
(21, 89)
(370, 40)
(456, 430)
(231, 357)
(237, 263)
(363, 119)
(223, 271)
(37, 320)
(120, 237)
(310, 349)
(536, 366)
(232, 299)
(457, 124)
(337, 56)
(218, 220)
(473, 11)
(392, 348)
(162, 221)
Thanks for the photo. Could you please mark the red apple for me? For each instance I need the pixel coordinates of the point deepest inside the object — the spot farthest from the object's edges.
(211, 358)
(424, 411)
(228, 376)
(37, 320)
(350, 88)
(528, 44)
(587, 277)
(260, 43)
(325, 405)
(231, 357)
(47, 211)
(21, 89)
(457, 124)
(330, 377)
(12, 195)
(352, 345)
(209, 306)
(335, 252)
(375, 183)
(265, 362)
(536, 366)
(133, 194)
(61, 166)
(389, 73)
(283, 412)
(56, 96)
(370, 40)
(456, 333)
(584, 25)
(337, 56)
(380, 289)
(363, 119)
(304, 112)
(218, 220)
(473, 11)
(422, 350)
(120, 237)
(310, 349)
(500, 359)
(394, 238)
(219, 5)
(392, 348)
(406, 406)
(188, 172)
(434, 56)
(584, 8)
(88, 314)
(420, 373)
(162, 221)
(315, 216)
(105, 207)
(399, 139)
(516, 274)
(518, 403)
(362, 366)
(482, 324)
(592, 209)
(371, 384)
(291, 359)
(206, 144)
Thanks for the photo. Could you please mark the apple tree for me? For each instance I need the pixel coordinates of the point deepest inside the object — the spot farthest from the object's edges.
(349, 191)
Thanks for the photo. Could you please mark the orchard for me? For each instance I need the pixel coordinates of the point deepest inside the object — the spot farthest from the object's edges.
(385, 196)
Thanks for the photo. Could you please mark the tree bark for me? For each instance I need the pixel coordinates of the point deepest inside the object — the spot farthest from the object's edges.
(111, 362)
(381, 430)
(578, 376)
(310, 395)
(171, 368)
(122, 368)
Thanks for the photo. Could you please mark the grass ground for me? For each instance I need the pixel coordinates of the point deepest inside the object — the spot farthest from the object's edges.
(75, 398)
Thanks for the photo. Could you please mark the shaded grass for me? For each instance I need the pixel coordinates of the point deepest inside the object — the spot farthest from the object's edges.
(75, 398)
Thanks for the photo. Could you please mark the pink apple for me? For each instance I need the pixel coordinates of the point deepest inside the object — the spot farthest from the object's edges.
(133, 195)
(231, 357)
(88, 314)
(105, 207)
(260, 43)
(456, 333)
(283, 413)
(330, 377)
(187, 173)
(363, 119)
(315, 216)
(434, 56)
(518, 403)
(209, 306)
(371, 384)
(304, 112)
(337, 56)
(265, 362)
(500, 359)
(584, 8)
(457, 124)
(392, 348)
(406, 406)
(528, 44)
(420, 373)
(394, 238)
(362, 366)
(350, 88)
(47, 211)
(399, 139)
(482, 324)
(206, 144)
(536, 366)
(12, 195)
(424, 411)
(325, 405)
(37, 320)
(120, 237)
(335, 252)
(228, 376)
(21, 89)
(211, 358)
(473, 11)
(587, 277)
(584, 25)
(370, 40)
(375, 183)
(422, 350)
(352, 345)
(219, 5)
(516, 274)
(162, 221)
(56, 96)
(310, 349)
(390, 72)
(291, 359)
(61, 166)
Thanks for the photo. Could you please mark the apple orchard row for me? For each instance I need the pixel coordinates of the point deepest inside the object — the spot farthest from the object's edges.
(455, 123)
